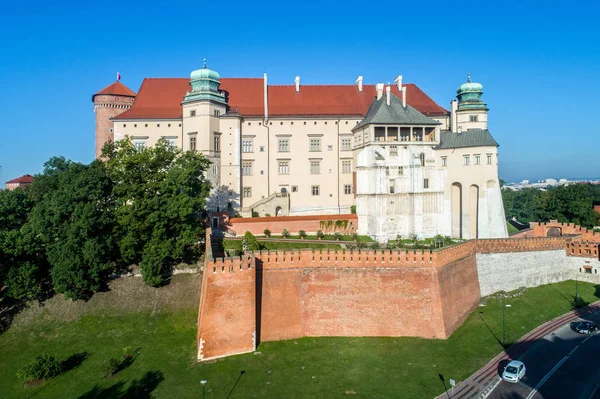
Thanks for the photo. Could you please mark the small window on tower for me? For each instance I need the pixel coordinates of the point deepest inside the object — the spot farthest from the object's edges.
(124, 124)
(158, 125)
(146, 125)
(193, 112)
(110, 129)
(473, 118)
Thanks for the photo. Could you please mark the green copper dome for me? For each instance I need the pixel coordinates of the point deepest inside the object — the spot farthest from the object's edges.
(469, 95)
(205, 86)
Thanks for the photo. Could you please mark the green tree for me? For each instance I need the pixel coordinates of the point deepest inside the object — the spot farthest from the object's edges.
(160, 193)
(249, 242)
(74, 218)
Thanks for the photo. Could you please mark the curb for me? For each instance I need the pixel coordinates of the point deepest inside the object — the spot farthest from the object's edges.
(472, 387)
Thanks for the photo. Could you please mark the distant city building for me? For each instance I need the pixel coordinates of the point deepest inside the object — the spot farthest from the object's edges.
(409, 165)
(19, 182)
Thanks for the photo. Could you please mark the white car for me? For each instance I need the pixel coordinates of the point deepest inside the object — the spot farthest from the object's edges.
(514, 371)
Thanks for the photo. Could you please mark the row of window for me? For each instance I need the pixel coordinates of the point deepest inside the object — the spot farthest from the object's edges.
(284, 167)
(393, 189)
(283, 145)
(140, 144)
(146, 125)
(292, 122)
(314, 190)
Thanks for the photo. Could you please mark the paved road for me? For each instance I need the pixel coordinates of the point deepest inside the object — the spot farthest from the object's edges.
(561, 365)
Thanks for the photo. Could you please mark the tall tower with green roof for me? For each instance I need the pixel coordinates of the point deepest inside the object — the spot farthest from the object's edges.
(203, 106)
(472, 111)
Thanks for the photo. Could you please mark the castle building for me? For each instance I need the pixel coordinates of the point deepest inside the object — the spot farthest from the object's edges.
(409, 165)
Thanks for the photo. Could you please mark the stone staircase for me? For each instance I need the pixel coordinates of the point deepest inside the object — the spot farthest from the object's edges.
(269, 205)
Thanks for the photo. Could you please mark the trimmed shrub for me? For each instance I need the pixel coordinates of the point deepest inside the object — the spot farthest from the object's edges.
(111, 366)
(302, 234)
(249, 242)
(353, 209)
(320, 234)
(254, 214)
(267, 233)
(285, 233)
(355, 236)
(41, 368)
(337, 236)
(268, 215)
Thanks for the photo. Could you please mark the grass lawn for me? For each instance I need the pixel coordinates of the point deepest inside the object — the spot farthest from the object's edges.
(165, 330)
(345, 237)
(511, 229)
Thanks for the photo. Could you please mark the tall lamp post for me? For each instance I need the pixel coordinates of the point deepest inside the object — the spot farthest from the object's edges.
(203, 382)
(503, 335)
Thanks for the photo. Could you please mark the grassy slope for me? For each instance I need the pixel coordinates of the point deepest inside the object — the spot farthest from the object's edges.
(165, 331)
(511, 229)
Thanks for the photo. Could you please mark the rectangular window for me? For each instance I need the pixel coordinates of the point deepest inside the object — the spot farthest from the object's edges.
(346, 145)
(347, 189)
(217, 112)
(393, 150)
(315, 190)
(294, 189)
(246, 145)
(477, 159)
(400, 170)
(473, 118)
(139, 145)
(247, 168)
(346, 166)
(262, 149)
(392, 189)
(315, 167)
(217, 144)
(283, 145)
(193, 112)
(489, 159)
(284, 168)
(193, 143)
(466, 160)
(315, 145)
(444, 161)
(171, 141)
(247, 192)
(425, 183)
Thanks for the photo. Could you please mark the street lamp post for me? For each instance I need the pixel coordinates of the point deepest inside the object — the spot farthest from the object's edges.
(503, 335)
(203, 382)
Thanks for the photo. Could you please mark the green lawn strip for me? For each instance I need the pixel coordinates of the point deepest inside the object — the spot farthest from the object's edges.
(331, 237)
(307, 367)
(511, 229)
(236, 245)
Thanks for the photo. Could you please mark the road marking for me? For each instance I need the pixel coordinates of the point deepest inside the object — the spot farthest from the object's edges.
(490, 389)
(574, 349)
(594, 391)
(534, 391)
(586, 339)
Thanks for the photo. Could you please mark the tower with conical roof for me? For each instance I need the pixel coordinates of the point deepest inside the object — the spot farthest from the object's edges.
(471, 112)
(111, 101)
(203, 106)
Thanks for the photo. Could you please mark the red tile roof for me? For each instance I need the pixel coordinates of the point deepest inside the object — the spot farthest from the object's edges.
(115, 89)
(160, 98)
(22, 179)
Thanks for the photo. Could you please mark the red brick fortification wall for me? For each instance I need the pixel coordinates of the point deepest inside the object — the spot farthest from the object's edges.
(310, 224)
(459, 291)
(541, 230)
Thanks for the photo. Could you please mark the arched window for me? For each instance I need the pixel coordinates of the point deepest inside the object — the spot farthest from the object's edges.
(422, 157)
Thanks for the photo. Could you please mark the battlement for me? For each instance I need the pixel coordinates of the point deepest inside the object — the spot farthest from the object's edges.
(230, 265)
(544, 229)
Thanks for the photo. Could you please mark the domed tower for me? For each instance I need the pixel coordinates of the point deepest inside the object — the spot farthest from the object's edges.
(111, 101)
(471, 112)
(203, 106)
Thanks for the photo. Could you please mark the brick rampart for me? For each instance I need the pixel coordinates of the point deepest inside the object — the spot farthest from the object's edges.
(310, 224)
(542, 229)
(290, 294)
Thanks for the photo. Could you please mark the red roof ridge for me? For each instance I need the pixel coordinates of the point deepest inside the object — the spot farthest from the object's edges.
(22, 179)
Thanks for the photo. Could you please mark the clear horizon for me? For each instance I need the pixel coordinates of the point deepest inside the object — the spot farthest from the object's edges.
(539, 76)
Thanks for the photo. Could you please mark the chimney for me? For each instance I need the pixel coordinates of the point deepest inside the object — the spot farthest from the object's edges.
(404, 97)
(359, 83)
(459, 130)
(297, 83)
(387, 94)
(266, 99)
(398, 82)
(379, 88)
(453, 121)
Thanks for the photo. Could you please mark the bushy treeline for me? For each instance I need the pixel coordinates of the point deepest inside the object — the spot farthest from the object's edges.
(76, 224)
(572, 204)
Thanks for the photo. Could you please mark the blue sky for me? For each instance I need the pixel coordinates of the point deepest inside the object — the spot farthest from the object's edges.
(538, 62)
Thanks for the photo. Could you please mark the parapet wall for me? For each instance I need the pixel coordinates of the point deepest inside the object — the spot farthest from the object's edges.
(274, 295)
(293, 224)
(543, 229)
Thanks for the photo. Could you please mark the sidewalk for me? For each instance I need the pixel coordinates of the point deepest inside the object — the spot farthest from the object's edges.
(479, 384)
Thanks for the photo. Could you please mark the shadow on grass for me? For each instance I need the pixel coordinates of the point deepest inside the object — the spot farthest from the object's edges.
(490, 330)
(236, 382)
(74, 361)
(8, 310)
(138, 389)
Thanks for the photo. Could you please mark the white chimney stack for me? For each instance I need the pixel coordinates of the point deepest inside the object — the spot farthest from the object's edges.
(379, 88)
(387, 95)
(398, 82)
(453, 121)
(404, 97)
(297, 83)
(359, 83)
(266, 99)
